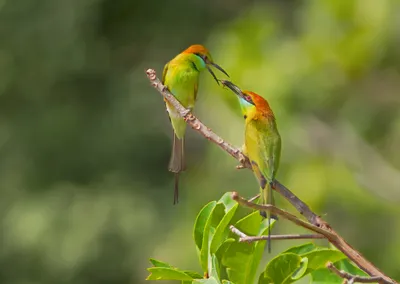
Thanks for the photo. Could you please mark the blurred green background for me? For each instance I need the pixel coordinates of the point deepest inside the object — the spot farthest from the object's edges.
(85, 141)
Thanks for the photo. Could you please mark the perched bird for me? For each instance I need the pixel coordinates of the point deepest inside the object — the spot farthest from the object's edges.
(181, 77)
(262, 143)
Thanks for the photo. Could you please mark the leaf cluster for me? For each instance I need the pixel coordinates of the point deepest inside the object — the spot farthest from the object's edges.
(225, 260)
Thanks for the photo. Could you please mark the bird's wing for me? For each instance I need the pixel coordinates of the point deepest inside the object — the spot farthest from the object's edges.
(260, 177)
(266, 146)
(196, 86)
(164, 73)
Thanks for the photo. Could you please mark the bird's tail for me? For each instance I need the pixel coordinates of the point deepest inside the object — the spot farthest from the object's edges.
(177, 162)
(267, 197)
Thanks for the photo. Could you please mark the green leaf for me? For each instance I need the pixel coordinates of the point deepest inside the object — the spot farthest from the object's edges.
(210, 280)
(302, 248)
(349, 267)
(209, 231)
(281, 268)
(318, 258)
(193, 274)
(227, 282)
(325, 276)
(158, 263)
(301, 271)
(242, 259)
(250, 224)
(201, 221)
(223, 248)
(164, 273)
(227, 200)
(214, 271)
(222, 229)
(220, 254)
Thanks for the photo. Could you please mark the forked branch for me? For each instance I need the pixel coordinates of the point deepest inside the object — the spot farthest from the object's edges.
(315, 222)
(350, 279)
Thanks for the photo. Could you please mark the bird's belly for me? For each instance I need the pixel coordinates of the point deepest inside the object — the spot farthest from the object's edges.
(185, 95)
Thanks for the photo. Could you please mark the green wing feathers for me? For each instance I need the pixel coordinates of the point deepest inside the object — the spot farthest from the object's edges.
(263, 144)
(164, 73)
(181, 79)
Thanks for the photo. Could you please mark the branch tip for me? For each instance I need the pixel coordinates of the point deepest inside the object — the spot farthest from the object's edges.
(349, 278)
(235, 196)
(151, 74)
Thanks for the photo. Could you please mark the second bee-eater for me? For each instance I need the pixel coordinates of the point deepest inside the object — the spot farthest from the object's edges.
(262, 143)
(181, 77)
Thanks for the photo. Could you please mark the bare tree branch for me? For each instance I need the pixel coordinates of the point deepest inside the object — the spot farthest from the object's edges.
(286, 215)
(249, 239)
(316, 223)
(353, 278)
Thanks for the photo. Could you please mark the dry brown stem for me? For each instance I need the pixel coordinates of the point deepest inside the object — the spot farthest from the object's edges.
(350, 279)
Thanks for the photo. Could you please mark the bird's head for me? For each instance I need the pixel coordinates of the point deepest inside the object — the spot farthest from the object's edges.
(249, 101)
(202, 52)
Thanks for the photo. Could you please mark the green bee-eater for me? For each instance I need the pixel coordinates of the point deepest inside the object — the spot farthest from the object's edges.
(262, 142)
(181, 77)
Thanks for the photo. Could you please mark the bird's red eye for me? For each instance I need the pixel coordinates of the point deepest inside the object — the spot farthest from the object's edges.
(248, 98)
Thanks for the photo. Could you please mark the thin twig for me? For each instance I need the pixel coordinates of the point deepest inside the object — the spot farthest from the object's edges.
(301, 207)
(282, 237)
(286, 215)
(236, 231)
(249, 239)
(353, 278)
(254, 198)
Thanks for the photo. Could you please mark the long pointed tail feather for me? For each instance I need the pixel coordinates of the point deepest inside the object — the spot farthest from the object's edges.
(177, 163)
(268, 198)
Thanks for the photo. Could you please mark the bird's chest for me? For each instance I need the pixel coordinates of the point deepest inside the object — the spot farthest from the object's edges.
(183, 82)
(185, 75)
(251, 141)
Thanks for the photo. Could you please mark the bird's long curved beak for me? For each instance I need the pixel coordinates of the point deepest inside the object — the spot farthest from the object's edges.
(212, 73)
(233, 88)
(219, 68)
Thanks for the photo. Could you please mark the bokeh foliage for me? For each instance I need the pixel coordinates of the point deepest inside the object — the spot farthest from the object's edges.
(85, 141)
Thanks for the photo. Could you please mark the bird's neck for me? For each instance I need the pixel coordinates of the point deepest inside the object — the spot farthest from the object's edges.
(192, 60)
(252, 113)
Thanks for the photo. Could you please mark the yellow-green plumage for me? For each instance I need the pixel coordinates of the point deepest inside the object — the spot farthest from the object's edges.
(262, 142)
(263, 147)
(181, 77)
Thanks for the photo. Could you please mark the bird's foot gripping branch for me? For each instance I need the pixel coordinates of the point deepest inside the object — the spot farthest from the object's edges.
(223, 245)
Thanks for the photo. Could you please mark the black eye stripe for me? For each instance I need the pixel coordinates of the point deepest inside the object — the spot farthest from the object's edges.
(204, 57)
